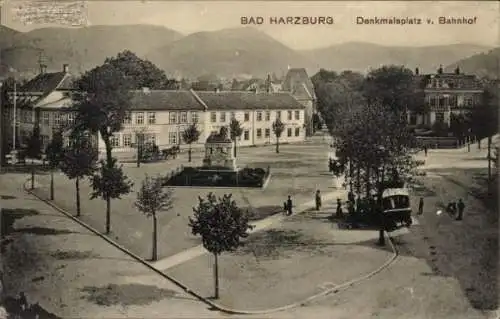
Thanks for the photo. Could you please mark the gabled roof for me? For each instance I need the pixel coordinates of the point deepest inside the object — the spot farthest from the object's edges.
(294, 82)
(47, 82)
(451, 81)
(231, 100)
(165, 100)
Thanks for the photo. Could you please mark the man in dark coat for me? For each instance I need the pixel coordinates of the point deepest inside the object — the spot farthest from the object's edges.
(421, 206)
(289, 205)
(461, 207)
(318, 200)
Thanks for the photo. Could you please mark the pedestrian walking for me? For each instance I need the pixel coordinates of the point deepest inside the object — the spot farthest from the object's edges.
(339, 212)
(318, 200)
(425, 150)
(289, 205)
(421, 206)
(461, 207)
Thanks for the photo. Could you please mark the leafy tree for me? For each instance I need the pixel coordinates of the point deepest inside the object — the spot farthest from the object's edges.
(101, 103)
(484, 117)
(278, 128)
(152, 198)
(54, 152)
(110, 183)
(392, 86)
(221, 225)
(142, 73)
(440, 128)
(235, 131)
(324, 76)
(79, 160)
(34, 145)
(189, 136)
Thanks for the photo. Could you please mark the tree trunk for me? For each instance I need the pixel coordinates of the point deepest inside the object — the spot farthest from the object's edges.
(235, 148)
(108, 215)
(216, 276)
(155, 239)
(489, 159)
(138, 156)
(277, 145)
(368, 181)
(77, 185)
(381, 237)
(478, 143)
(32, 177)
(189, 153)
(51, 184)
(109, 159)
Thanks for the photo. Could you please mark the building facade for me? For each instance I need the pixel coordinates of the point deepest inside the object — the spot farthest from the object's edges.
(445, 94)
(161, 116)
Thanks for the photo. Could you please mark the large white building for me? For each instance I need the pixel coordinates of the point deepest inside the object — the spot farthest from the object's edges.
(162, 115)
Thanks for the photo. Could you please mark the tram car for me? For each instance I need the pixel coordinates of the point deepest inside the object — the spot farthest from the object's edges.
(396, 206)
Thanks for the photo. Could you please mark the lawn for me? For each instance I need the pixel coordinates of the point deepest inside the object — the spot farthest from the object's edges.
(287, 264)
(298, 170)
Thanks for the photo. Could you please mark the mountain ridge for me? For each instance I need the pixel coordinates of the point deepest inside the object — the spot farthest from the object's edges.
(226, 52)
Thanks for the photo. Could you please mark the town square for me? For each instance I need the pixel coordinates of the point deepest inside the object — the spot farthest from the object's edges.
(162, 183)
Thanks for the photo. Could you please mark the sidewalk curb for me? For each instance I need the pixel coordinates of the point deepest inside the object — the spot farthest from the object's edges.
(213, 305)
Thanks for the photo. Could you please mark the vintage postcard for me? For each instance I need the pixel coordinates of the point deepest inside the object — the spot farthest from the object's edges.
(261, 159)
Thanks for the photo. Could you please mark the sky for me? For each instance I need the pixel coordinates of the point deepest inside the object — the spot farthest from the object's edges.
(195, 16)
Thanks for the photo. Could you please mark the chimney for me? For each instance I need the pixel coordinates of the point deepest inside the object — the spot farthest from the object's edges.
(65, 68)
(216, 90)
(416, 71)
(43, 68)
(145, 90)
(440, 70)
(457, 70)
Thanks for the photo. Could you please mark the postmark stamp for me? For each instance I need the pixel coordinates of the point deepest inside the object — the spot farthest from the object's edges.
(35, 12)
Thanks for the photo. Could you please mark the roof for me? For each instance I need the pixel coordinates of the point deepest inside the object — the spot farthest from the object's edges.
(395, 192)
(47, 82)
(232, 100)
(165, 100)
(451, 81)
(298, 83)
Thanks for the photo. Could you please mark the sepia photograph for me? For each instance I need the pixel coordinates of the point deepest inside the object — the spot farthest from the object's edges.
(249, 159)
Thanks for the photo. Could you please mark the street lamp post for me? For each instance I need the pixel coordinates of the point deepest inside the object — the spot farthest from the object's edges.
(381, 238)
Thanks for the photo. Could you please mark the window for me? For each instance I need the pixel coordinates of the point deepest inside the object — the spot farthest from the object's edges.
(297, 131)
(151, 138)
(233, 115)
(46, 118)
(259, 133)
(259, 116)
(268, 116)
(127, 119)
(139, 118)
(127, 140)
(289, 132)
(223, 117)
(71, 118)
(278, 114)
(151, 118)
(246, 135)
(439, 117)
(267, 132)
(247, 116)
(194, 117)
(184, 117)
(172, 117)
(297, 115)
(432, 101)
(115, 141)
(57, 119)
(289, 115)
(172, 138)
(469, 101)
(213, 117)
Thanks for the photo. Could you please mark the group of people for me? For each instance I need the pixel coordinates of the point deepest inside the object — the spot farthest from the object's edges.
(456, 209)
